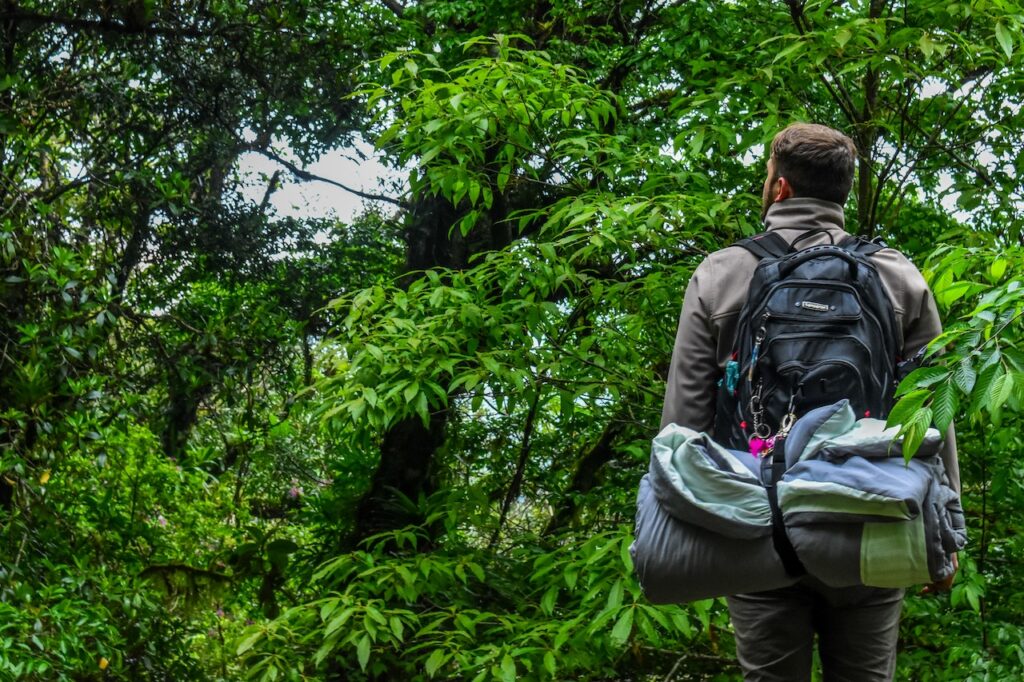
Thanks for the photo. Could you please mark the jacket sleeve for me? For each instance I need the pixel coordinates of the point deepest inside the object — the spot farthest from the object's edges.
(693, 373)
(922, 324)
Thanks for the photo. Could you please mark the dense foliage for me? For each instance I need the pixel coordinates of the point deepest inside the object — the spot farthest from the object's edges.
(241, 445)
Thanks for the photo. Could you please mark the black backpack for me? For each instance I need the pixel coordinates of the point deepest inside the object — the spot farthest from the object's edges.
(817, 327)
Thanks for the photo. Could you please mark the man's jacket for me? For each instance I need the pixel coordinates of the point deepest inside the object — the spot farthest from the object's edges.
(855, 511)
(718, 289)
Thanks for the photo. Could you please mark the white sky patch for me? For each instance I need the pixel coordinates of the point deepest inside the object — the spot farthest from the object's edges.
(316, 199)
(932, 86)
(754, 156)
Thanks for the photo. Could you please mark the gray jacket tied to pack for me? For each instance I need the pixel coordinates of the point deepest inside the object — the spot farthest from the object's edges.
(855, 511)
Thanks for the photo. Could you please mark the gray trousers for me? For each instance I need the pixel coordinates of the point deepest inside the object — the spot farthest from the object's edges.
(857, 629)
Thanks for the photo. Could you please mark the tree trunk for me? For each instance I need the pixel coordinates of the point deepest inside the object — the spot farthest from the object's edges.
(406, 467)
(407, 448)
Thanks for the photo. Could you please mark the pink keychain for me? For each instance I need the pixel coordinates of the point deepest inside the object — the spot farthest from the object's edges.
(761, 446)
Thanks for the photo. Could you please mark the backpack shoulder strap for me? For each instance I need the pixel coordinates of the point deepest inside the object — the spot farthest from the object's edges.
(766, 245)
(866, 247)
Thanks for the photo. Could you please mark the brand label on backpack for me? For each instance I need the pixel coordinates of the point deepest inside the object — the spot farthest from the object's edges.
(811, 305)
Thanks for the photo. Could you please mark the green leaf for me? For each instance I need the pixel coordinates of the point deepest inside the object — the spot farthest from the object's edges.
(571, 575)
(952, 293)
(435, 661)
(566, 404)
(926, 45)
(397, 628)
(789, 49)
(964, 376)
(248, 642)
(508, 668)
(997, 269)
(914, 432)
(905, 409)
(1001, 388)
(547, 602)
(922, 377)
(1004, 38)
(549, 663)
(624, 556)
(945, 404)
(681, 621)
(411, 391)
(363, 652)
(323, 652)
(338, 621)
(279, 550)
(973, 598)
(697, 142)
(282, 546)
(983, 388)
(422, 407)
(503, 175)
(615, 595)
(703, 610)
(620, 633)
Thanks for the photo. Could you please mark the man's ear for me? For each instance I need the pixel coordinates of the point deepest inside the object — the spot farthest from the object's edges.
(782, 189)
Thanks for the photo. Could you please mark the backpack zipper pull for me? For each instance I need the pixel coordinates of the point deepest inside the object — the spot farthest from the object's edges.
(758, 339)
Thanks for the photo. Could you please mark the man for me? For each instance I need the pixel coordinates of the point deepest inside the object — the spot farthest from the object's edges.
(810, 174)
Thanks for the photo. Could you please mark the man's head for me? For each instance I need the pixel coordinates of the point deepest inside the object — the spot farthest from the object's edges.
(809, 160)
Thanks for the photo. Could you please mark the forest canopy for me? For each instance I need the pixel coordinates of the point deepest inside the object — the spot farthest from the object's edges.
(238, 444)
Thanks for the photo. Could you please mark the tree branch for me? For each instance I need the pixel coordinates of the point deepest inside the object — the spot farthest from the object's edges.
(395, 7)
(100, 25)
(585, 476)
(275, 182)
(520, 472)
(306, 176)
(837, 91)
(933, 141)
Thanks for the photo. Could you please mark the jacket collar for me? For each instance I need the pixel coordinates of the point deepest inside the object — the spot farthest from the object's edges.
(804, 213)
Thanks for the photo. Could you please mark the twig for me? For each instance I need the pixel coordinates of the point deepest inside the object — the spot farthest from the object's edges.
(672, 672)
(524, 453)
(275, 182)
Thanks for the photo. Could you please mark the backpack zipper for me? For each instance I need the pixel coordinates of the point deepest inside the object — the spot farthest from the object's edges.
(758, 340)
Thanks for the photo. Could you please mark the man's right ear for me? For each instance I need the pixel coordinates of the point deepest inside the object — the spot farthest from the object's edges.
(782, 190)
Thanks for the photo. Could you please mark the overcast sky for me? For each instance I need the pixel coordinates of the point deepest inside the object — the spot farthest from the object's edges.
(319, 199)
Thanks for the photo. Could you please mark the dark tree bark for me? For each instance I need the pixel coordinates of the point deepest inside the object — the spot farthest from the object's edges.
(406, 466)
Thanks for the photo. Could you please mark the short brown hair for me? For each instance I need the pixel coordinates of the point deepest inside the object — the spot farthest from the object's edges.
(816, 160)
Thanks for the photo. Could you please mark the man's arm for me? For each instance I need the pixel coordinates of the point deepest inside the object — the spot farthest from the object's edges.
(693, 373)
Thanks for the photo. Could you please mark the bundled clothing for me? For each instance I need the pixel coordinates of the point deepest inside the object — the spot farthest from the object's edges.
(855, 511)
